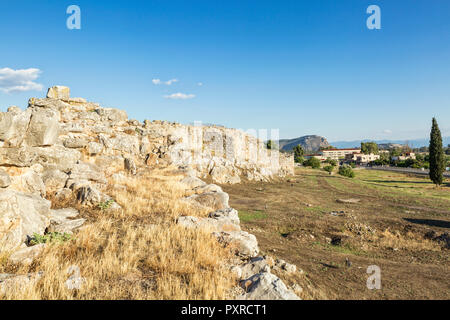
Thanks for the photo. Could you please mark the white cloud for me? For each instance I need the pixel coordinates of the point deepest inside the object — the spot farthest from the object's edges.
(19, 80)
(167, 83)
(180, 96)
(170, 82)
(387, 131)
(200, 84)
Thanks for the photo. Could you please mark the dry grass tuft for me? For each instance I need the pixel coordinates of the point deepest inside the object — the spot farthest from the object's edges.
(408, 241)
(135, 253)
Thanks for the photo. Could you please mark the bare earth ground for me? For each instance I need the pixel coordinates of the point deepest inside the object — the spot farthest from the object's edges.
(292, 220)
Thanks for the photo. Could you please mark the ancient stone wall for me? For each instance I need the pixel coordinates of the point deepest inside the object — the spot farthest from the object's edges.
(64, 146)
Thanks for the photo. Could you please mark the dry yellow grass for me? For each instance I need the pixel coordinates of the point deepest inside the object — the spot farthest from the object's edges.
(136, 253)
(408, 241)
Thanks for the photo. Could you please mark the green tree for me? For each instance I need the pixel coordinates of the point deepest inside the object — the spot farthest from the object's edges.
(332, 162)
(437, 164)
(269, 144)
(298, 154)
(369, 147)
(313, 163)
(346, 171)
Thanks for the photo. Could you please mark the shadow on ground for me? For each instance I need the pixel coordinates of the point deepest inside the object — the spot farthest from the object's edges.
(430, 222)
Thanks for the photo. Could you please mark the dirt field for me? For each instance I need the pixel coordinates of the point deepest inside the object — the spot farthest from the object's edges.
(300, 220)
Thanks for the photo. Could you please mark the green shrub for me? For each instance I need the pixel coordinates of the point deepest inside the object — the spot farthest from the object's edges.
(105, 205)
(346, 171)
(329, 169)
(51, 237)
(332, 162)
(313, 163)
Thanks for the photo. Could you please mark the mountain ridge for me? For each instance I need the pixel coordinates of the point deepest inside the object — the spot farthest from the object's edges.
(414, 143)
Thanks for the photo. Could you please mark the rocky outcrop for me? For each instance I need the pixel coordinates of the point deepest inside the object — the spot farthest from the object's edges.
(69, 147)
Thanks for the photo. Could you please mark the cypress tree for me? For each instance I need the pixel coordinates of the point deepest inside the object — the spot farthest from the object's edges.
(437, 163)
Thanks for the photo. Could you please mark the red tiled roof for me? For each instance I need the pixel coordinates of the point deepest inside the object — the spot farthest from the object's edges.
(341, 149)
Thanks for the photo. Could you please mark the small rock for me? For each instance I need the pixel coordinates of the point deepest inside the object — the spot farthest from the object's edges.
(68, 226)
(26, 255)
(193, 182)
(348, 201)
(5, 180)
(130, 166)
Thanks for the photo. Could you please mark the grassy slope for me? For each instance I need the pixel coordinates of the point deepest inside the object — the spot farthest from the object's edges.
(386, 228)
(137, 253)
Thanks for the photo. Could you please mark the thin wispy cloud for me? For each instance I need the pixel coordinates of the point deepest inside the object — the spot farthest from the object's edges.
(21, 80)
(180, 96)
(387, 131)
(200, 84)
(167, 83)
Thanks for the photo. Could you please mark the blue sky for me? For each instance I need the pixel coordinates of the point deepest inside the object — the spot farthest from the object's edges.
(304, 67)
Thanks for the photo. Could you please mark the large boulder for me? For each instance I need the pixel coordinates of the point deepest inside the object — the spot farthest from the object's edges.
(225, 175)
(29, 181)
(228, 215)
(43, 129)
(113, 115)
(55, 157)
(192, 182)
(76, 142)
(266, 286)
(125, 143)
(214, 200)
(49, 103)
(207, 224)
(54, 180)
(84, 171)
(18, 157)
(21, 215)
(13, 125)
(59, 92)
(242, 243)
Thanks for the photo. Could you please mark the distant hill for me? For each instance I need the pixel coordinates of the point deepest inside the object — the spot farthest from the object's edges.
(310, 143)
(416, 143)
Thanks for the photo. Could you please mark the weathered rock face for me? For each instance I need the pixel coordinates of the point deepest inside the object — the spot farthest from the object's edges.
(64, 126)
(21, 215)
